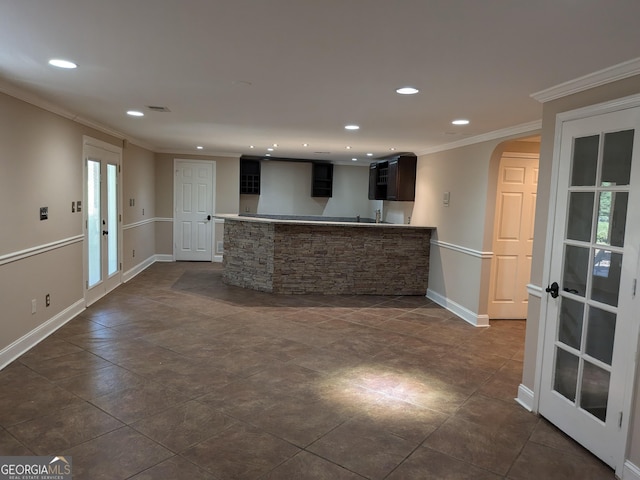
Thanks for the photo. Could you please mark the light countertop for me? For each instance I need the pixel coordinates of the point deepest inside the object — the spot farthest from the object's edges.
(304, 221)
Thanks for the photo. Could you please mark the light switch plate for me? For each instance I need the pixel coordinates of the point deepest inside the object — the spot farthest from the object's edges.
(445, 199)
(79, 206)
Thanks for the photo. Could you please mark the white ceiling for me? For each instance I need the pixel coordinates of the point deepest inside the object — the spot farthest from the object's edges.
(236, 73)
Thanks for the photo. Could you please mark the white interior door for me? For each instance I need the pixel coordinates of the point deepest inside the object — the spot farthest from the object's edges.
(194, 209)
(102, 216)
(513, 236)
(591, 329)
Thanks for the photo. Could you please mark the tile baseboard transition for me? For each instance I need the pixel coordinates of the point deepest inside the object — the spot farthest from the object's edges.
(459, 310)
(525, 397)
(35, 336)
(630, 471)
(142, 266)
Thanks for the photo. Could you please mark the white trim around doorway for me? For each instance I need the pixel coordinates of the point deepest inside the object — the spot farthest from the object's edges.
(632, 101)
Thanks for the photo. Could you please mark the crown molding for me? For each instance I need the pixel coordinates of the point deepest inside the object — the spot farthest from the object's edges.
(196, 153)
(528, 128)
(595, 79)
(37, 101)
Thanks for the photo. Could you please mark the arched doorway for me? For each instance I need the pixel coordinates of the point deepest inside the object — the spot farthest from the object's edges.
(516, 189)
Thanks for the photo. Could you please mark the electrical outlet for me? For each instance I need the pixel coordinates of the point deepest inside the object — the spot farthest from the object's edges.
(34, 306)
(44, 213)
(73, 207)
(134, 254)
(143, 211)
(47, 300)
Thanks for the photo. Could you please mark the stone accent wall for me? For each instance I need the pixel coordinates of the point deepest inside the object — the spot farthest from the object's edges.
(351, 260)
(248, 254)
(326, 259)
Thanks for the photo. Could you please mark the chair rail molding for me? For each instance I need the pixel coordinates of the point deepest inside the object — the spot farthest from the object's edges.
(30, 252)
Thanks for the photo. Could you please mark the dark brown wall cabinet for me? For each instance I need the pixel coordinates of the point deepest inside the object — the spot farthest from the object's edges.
(249, 177)
(322, 180)
(393, 179)
(378, 177)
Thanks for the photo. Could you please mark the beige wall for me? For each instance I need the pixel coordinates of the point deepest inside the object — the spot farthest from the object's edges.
(227, 194)
(460, 272)
(138, 184)
(41, 165)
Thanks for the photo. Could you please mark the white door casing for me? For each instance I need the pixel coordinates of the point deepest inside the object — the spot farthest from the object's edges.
(102, 218)
(513, 235)
(193, 210)
(588, 333)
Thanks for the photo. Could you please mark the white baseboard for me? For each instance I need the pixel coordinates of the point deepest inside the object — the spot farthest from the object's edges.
(164, 258)
(129, 274)
(525, 398)
(463, 312)
(35, 336)
(630, 471)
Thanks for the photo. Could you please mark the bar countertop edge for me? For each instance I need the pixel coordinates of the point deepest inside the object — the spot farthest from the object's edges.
(233, 216)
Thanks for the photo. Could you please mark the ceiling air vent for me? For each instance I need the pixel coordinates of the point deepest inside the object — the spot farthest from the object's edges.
(156, 108)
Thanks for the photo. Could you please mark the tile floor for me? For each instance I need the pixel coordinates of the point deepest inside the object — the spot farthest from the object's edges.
(176, 376)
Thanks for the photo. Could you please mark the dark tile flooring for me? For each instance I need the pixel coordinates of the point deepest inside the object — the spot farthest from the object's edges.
(176, 376)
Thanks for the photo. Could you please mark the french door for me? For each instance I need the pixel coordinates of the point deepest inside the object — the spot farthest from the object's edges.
(103, 267)
(591, 330)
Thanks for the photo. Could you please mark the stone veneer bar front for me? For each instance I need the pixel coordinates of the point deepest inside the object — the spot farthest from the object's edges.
(315, 257)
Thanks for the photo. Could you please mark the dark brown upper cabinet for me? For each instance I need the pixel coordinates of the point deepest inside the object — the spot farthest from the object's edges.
(322, 180)
(378, 177)
(401, 183)
(393, 179)
(249, 177)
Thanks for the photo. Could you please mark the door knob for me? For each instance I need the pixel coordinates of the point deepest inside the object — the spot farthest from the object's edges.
(105, 232)
(208, 217)
(553, 289)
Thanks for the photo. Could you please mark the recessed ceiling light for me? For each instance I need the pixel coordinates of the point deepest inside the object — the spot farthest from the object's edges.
(348, 147)
(135, 113)
(461, 121)
(199, 147)
(393, 149)
(369, 154)
(305, 144)
(354, 159)
(269, 149)
(275, 144)
(407, 91)
(267, 154)
(251, 146)
(352, 127)
(58, 62)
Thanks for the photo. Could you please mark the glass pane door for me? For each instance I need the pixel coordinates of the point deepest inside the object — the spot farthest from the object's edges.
(112, 219)
(592, 264)
(102, 222)
(94, 216)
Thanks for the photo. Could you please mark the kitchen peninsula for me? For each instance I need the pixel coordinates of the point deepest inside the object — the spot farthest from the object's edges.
(318, 256)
